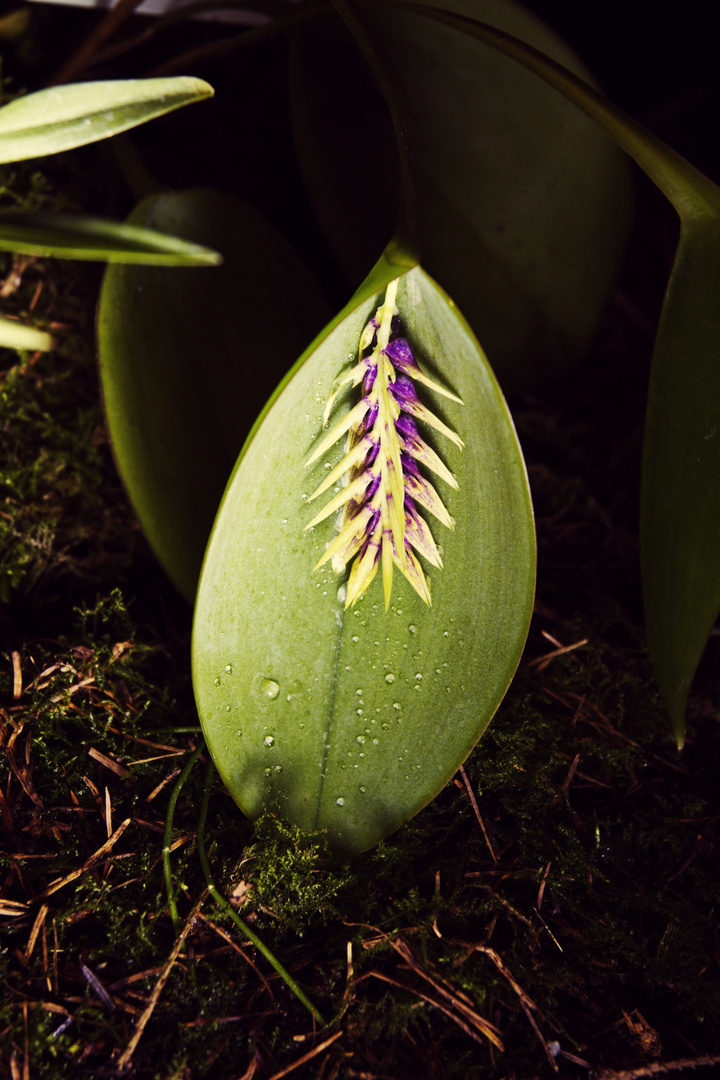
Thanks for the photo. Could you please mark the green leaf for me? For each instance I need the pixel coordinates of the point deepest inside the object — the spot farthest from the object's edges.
(188, 357)
(680, 507)
(15, 335)
(680, 522)
(64, 117)
(523, 206)
(352, 720)
(74, 236)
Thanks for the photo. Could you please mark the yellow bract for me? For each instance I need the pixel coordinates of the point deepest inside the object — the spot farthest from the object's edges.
(378, 522)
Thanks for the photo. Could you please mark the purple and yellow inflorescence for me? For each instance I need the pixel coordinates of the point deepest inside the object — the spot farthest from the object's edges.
(379, 521)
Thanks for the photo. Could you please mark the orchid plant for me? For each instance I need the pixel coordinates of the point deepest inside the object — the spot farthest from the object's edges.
(321, 698)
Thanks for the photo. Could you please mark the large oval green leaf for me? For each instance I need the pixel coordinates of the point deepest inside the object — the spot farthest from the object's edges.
(188, 357)
(63, 117)
(523, 206)
(352, 720)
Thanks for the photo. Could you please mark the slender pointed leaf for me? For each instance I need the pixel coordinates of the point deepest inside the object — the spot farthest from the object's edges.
(64, 117)
(680, 508)
(189, 356)
(352, 719)
(73, 236)
(15, 335)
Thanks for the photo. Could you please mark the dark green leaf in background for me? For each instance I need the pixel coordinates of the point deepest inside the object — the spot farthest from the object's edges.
(352, 720)
(523, 206)
(189, 356)
(680, 508)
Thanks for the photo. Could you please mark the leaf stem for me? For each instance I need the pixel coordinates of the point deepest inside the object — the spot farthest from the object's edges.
(227, 909)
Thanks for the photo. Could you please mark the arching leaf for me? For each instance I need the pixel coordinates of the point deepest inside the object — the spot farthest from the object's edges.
(680, 510)
(322, 705)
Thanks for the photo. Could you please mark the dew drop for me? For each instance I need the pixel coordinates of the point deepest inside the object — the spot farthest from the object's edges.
(267, 772)
(412, 628)
(376, 742)
(269, 741)
(396, 705)
(228, 669)
(342, 594)
(340, 801)
(217, 681)
(418, 677)
(389, 678)
(263, 687)
(355, 639)
(361, 740)
(385, 727)
(362, 788)
(278, 768)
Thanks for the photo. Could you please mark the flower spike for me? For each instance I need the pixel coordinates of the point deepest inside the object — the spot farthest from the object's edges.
(379, 524)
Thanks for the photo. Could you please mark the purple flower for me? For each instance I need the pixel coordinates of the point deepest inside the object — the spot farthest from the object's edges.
(379, 522)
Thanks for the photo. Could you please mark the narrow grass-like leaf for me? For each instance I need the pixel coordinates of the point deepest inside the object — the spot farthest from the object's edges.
(189, 356)
(350, 712)
(15, 335)
(71, 236)
(680, 508)
(64, 117)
